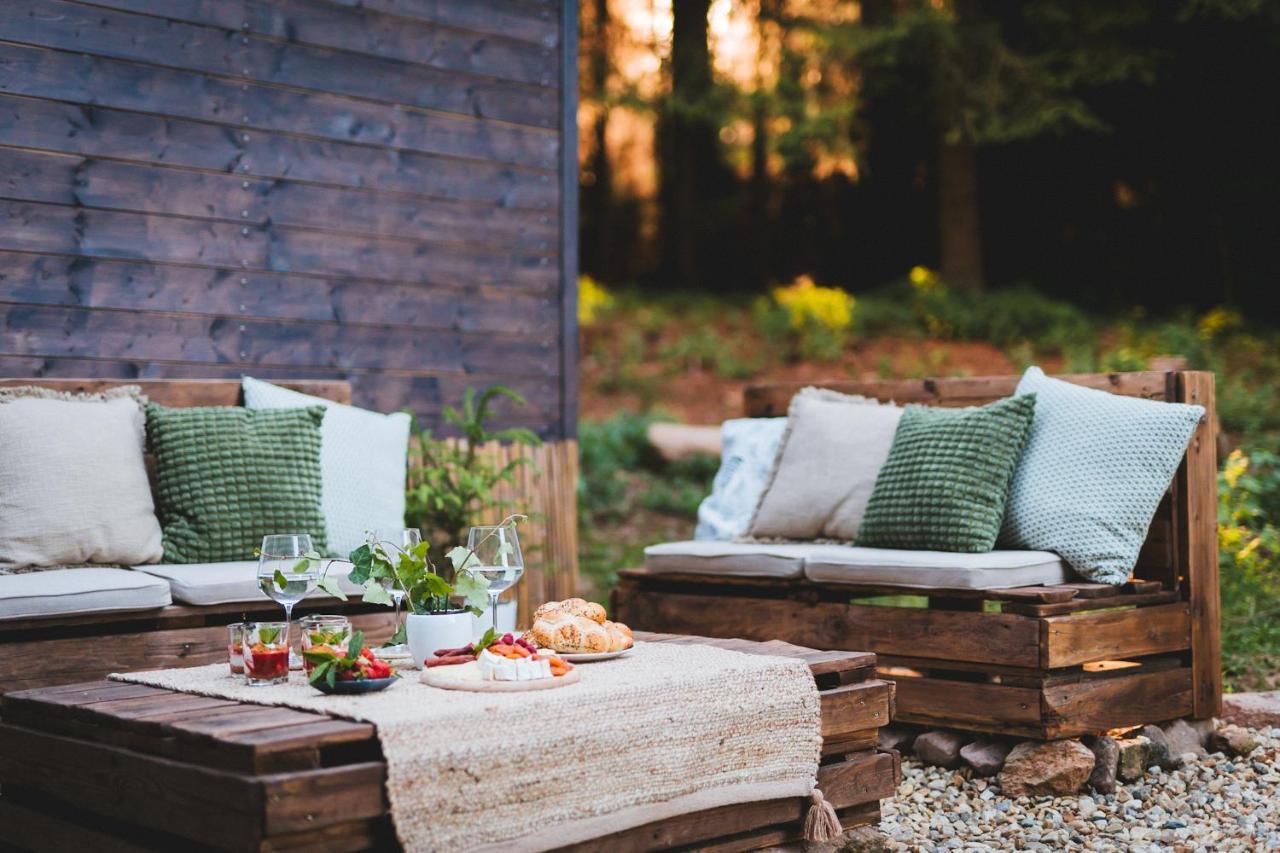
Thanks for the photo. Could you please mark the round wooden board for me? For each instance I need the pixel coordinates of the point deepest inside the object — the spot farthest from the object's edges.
(441, 678)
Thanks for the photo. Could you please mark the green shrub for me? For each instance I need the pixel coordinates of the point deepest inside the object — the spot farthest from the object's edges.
(1249, 551)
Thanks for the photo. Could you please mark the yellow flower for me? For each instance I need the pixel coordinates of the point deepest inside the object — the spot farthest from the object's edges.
(593, 299)
(1217, 321)
(806, 302)
(1237, 463)
(924, 279)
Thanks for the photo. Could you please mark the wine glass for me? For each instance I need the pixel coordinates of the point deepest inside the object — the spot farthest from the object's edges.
(285, 574)
(395, 542)
(497, 560)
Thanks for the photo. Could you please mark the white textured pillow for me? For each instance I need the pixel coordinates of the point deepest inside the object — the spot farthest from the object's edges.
(828, 460)
(363, 462)
(1092, 475)
(73, 483)
(748, 447)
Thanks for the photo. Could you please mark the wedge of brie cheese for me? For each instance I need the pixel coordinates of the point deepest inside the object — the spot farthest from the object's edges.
(497, 668)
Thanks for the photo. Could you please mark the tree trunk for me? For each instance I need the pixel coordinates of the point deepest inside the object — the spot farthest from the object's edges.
(598, 197)
(959, 235)
(688, 143)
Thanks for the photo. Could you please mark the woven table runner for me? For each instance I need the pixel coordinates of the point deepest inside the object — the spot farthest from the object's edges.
(666, 730)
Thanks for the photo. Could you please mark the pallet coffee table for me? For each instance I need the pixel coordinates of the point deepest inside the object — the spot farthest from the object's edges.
(114, 766)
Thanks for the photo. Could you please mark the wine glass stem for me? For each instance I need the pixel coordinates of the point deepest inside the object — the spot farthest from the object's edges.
(493, 603)
(398, 598)
(288, 618)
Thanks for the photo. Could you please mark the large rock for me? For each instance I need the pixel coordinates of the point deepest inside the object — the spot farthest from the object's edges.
(940, 747)
(1183, 738)
(1106, 761)
(1252, 710)
(1134, 759)
(1161, 751)
(1234, 740)
(1055, 769)
(896, 737)
(986, 757)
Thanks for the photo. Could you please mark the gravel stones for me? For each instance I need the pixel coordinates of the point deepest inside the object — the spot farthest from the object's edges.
(940, 748)
(1134, 758)
(1252, 710)
(1106, 760)
(986, 757)
(1214, 804)
(1055, 768)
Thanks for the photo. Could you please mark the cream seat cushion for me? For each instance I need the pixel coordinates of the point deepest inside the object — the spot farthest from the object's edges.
(67, 592)
(933, 569)
(739, 559)
(225, 583)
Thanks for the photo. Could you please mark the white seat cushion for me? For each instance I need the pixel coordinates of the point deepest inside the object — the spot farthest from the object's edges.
(225, 583)
(65, 592)
(735, 559)
(933, 569)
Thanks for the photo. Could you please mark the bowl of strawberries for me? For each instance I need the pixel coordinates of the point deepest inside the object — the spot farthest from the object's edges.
(352, 671)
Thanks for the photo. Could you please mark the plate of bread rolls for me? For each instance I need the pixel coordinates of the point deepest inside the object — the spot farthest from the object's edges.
(578, 631)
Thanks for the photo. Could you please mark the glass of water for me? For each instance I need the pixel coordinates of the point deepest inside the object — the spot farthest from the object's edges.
(395, 543)
(286, 574)
(497, 559)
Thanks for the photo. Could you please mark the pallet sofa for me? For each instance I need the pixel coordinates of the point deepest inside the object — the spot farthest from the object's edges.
(78, 624)
(1046, 658)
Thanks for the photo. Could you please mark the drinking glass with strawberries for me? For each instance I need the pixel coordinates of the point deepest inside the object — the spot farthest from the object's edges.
(324, 633)
(266, 652)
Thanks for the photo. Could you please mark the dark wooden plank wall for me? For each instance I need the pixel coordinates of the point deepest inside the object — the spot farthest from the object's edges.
(377, 190)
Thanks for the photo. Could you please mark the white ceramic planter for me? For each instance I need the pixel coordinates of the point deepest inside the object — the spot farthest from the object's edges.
(428, 632)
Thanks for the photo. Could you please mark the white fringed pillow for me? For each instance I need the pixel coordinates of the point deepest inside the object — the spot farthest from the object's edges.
(828, 460)
(73, 483)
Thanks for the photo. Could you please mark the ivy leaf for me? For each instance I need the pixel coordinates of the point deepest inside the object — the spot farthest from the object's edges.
(361, 564)
(400, 636)
(375, 594)
(434, 586)
(280, 580)
(474, 591)
(461, 557)
(330, 585)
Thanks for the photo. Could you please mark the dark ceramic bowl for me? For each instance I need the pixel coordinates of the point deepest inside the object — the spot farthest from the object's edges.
(354, 688)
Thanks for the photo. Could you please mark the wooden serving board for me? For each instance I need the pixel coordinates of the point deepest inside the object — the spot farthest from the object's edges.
(441, 677)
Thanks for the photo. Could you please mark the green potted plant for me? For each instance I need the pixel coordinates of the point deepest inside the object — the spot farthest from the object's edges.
(440, 606)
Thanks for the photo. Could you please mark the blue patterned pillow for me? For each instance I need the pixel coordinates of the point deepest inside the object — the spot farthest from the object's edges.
(747, 451)
(1093, 473)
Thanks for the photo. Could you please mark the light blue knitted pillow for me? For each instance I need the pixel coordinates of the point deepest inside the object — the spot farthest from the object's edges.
(1092, 474)
(748, 447)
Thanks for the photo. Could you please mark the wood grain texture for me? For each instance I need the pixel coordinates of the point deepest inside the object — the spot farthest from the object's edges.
(377, 191)
(1197, 490)
(1115, 634)
(912, 632)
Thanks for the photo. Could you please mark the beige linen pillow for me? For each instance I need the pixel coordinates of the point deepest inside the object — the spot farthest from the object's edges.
(830, 455)
(73, 483)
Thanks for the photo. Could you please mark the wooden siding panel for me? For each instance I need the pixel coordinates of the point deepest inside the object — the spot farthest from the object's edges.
(419, 77)
(81, 78)
(71, 179)
(77, 129)
(125, 285)
(370, 191)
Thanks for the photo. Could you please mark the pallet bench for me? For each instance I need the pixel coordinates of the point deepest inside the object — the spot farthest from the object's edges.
(1041, 662)
(124, 767)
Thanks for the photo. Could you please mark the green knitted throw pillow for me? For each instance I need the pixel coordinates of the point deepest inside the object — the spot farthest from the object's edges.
(227, 476)
(945, 483)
